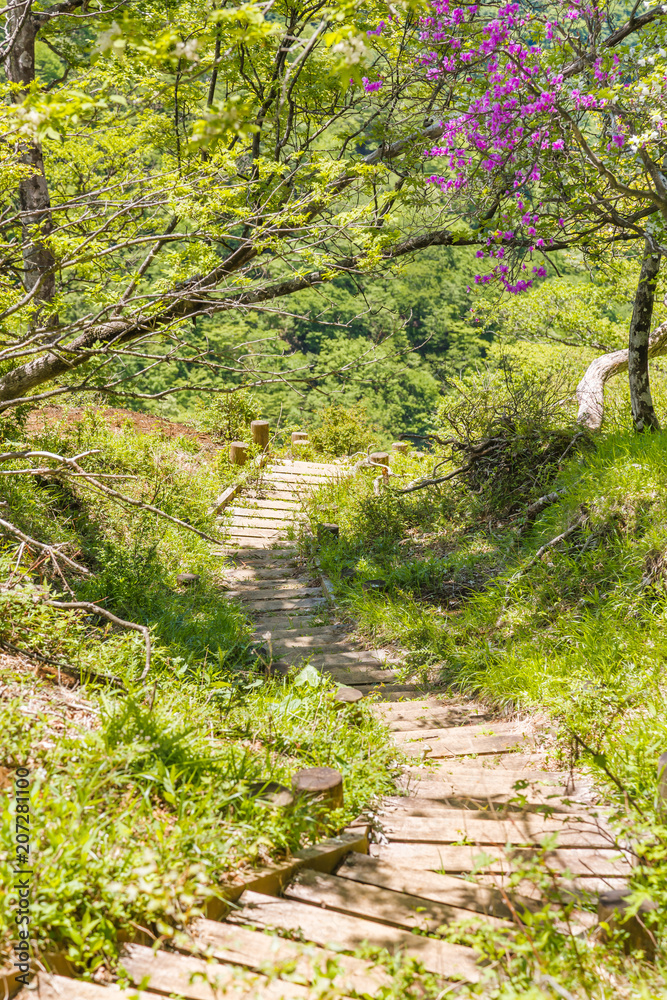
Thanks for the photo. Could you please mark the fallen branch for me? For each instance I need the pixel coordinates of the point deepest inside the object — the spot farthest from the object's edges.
(65, 668)
(420, 484)
(50, 550)
(549, 545)
(95, 609)
(71, 467)
(590, 391)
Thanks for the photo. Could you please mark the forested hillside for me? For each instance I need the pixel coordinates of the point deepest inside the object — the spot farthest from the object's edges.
(331, 396)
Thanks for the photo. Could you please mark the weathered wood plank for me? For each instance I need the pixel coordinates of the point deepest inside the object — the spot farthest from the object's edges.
(261, 523)
(521, 830)
(438, 723)
(298, 591)
(343, 931)
(285, 604)
(200, 979)
(455, 892)
(456, 860)
(267, 953)
(397, 908)
(458, 746)
(47, 987)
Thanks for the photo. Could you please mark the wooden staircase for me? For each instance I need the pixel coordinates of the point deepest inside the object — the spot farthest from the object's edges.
(479, 786)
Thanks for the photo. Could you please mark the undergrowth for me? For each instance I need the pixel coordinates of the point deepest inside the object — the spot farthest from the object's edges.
(152, 797)
(476, 590)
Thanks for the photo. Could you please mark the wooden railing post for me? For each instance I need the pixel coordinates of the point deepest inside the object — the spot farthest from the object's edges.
(260, 432)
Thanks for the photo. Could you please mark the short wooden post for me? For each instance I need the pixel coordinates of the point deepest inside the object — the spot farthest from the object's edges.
(299, 437)
(400, 446)
(322, 783)
(238, 452)
(260, 432)
(273, 793)
(187, 579)
(612, 911)
(662, 786)
(347, 696)
(379, 458)
(325, 530)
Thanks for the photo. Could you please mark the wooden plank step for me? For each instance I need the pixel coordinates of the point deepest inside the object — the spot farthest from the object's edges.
(435, 723)
(285, 604)
(259, 524)
(199, 979)
(343, 931)
(299, 464)
(461, 745)
(246, 575)
(296, 592)
(273, 493)
(456, 892)
(278, 585)
(292, 476)
(496, 797)
(262, 952)
(464, 859)
(343, 659)
(48, 987)
(315, 633)
(519, 831)
(299, 618)
(373, 902)
(285, 513)
(288, 507)
(313, 642)
(352, 676)
(234, 532)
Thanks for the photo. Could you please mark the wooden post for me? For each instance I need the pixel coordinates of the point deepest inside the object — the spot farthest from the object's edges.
(238, 452)
(612, 907)
(260, 432)
(662, 786)
(299, 437)
(322, 783)
(347, 696)
(400, 446)
(327, 531)
(379, 458)
(187, 579)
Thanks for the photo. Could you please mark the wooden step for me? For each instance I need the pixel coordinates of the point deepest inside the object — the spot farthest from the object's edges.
(297, 592)
(523, 830)
(285, 604)
(455, 860)
(456, 892)
(278, 585)
(347, 932)
(48, 987)
(200, 979)
(459, 741)
(288, 507)
(434, 724)
(314, 633)
(259, 524)
(273, 492)
(266, 953)
(373, 902)
(286, 512)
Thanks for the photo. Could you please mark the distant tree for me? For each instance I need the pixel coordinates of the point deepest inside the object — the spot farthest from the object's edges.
(556, 131)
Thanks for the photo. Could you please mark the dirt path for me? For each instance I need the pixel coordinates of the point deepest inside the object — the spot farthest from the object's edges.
(478, 786)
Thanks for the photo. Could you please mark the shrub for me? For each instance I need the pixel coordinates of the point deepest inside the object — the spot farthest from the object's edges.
(342, 431)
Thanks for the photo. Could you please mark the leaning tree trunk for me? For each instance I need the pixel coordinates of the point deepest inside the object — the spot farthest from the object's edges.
(643, 413)
(38, 260)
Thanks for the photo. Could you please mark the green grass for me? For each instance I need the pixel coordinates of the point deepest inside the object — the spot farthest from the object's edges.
(580, 633)
(143, 814)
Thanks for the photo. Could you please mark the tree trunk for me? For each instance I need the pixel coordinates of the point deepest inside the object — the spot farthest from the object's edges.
(643, 413)
(38, 261)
